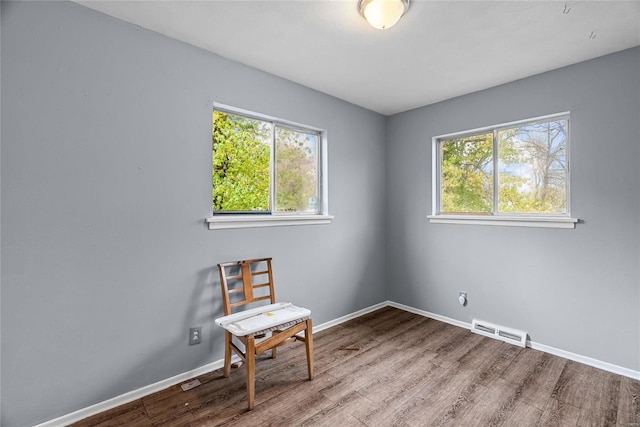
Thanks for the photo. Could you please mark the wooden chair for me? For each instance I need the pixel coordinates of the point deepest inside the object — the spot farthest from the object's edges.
(247, 282)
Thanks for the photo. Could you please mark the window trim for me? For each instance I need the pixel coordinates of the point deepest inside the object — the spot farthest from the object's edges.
(495, 218)
(229, 220)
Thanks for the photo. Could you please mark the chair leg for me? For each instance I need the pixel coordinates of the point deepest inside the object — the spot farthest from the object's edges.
(227, 354)
(308, 343)
(250, 356)
(274, 349)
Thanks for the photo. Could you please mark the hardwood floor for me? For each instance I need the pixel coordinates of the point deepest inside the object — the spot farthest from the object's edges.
(394, 368)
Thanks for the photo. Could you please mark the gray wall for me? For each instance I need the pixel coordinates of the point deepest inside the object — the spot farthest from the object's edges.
(575, 290)
(0, 219)
(105, 184)
(106, 147)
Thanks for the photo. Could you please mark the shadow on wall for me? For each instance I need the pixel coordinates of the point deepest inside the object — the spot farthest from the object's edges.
(203, 311)
(175, 356)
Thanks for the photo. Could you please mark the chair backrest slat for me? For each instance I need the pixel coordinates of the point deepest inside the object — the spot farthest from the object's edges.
(236, 304)
(248, 269)
(246, 281)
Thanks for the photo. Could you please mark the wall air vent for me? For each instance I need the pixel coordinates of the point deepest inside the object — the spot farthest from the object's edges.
(498, 332)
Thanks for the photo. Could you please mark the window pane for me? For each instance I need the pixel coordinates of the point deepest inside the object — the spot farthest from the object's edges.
(467, 175)
(241, 156)
(533, 168)
(296, 171)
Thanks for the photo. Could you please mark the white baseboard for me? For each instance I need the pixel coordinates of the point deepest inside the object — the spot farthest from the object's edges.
(430, 315)
(348, 317)
(130, 396)
(177, 379)
(605, 366)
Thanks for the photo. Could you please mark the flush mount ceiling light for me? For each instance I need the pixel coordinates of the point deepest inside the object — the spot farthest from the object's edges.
(382, 14)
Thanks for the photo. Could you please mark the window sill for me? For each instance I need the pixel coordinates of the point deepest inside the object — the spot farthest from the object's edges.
(505, 221)
(223, 222)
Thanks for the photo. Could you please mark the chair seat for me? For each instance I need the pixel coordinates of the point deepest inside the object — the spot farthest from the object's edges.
(263, 319)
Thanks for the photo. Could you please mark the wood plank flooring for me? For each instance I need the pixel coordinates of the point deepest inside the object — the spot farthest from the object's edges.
(394, 368)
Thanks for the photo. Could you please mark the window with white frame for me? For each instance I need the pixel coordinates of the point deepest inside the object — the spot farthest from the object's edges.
(263, 167)
(512, 172)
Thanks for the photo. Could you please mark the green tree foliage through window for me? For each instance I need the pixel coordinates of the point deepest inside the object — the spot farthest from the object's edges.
(467, 174)
(243, 176)
(531, 177)
(533, 168)
(296, 170)
(241, 156)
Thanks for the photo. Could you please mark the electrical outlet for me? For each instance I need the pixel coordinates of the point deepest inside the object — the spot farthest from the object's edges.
(195, 335)
(462, 299)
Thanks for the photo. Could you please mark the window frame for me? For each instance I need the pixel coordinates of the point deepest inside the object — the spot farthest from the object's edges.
(271, 218)
(495, 217)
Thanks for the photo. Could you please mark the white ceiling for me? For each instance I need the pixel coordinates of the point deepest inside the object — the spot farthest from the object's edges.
(438, 50)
